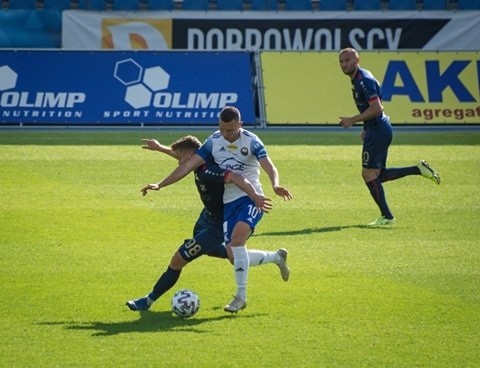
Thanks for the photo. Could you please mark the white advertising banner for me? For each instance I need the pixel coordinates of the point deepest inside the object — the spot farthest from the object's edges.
(292, 31)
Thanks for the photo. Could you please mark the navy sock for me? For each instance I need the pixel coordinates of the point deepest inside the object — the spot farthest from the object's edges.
(378, 194)
(397, 173)
(164, 283)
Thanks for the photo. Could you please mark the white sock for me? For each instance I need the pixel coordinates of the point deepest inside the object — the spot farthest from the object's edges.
(240, 267)
(260, 257)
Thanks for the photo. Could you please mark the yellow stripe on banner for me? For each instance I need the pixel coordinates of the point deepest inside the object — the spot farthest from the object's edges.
(418, 87)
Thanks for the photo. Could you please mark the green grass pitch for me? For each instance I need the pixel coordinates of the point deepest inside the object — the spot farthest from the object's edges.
(77, 240)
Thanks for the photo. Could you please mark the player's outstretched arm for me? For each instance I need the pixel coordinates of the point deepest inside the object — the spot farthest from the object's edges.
(272, 172)
(179, 173)
(154, 145)
(261, 202)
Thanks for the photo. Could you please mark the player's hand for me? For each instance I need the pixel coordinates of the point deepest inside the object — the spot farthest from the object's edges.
(263, 204)
(346, 122)
(148, 187)
(283, 192)
(151, 144)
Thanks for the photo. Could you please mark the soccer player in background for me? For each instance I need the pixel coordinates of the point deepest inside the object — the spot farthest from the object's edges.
(236, 149)
(208, 230)
(376, 136)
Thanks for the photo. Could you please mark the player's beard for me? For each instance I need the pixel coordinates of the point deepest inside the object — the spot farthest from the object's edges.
(347, 70)
(350, 71)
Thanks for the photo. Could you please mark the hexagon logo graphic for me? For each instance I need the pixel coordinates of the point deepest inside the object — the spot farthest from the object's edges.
(156, 78)
(8, 78)
(140, 88)
(128, 72)
(138, 96)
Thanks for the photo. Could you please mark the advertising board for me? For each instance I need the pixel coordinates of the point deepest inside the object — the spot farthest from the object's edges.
(152, 88)
(264, 30)
(418, 87)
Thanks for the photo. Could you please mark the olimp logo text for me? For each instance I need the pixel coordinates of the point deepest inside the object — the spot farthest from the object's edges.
(29, 105)
(148, 91)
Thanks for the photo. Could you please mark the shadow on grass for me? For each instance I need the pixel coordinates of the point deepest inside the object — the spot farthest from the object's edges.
(148, 322)
(319, 230)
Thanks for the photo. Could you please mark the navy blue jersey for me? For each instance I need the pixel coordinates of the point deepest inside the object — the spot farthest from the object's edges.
(366, 88)
(210, 182)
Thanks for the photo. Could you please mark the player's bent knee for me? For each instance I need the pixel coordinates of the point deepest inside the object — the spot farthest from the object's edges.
(177, 262)
(229, 253)
(370, 174)
(240, 234)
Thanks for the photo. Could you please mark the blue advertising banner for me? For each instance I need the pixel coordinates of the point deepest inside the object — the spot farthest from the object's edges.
(123, 87)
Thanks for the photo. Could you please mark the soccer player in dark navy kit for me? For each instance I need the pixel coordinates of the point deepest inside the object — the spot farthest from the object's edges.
(376, 135)
(208, 237)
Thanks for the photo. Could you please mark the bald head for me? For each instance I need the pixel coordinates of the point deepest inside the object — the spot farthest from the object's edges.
(349, 51)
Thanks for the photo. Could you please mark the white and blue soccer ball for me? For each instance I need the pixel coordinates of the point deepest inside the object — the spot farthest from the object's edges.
(185, 303)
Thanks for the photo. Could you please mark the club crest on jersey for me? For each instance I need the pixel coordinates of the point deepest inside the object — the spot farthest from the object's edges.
(232, 147)
(244, 151)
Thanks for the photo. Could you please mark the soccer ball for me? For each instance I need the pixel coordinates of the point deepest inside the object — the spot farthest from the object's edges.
(185, 303)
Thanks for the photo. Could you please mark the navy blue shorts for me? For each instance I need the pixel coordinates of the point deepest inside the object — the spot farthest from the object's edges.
(207, 239)
(377, 139)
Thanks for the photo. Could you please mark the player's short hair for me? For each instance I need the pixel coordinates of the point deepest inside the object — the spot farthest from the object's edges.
(230, 113)
(187, 143)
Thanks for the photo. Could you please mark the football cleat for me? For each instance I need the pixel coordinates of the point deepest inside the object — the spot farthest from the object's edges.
(140, 304)
(383, 221)
(428, 172)
(235, 305)
(282, 264)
